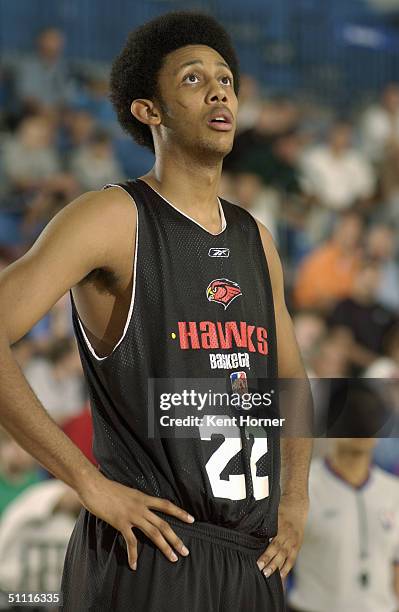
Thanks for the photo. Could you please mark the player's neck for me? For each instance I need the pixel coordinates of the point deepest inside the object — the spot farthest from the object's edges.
(191, 187)
(354, 468)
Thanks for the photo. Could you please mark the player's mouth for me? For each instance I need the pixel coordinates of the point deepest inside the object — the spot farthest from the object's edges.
(220, 120)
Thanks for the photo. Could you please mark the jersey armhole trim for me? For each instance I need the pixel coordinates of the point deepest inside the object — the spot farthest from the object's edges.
(132, 297)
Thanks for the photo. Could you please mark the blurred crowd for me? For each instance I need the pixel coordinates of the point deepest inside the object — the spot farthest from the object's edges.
(326, 186)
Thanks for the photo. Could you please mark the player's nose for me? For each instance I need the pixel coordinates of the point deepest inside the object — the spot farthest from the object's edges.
(216, 93)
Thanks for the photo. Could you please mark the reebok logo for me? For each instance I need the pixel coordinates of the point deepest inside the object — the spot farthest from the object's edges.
(221, 252)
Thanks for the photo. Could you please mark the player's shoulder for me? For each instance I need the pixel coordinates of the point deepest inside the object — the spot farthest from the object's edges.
(97, 216)
(112, 201)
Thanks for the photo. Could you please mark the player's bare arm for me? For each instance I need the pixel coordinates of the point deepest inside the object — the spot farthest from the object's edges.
(295, 452)
(77, 242)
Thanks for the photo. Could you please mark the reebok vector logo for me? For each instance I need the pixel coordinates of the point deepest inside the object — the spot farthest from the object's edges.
(223, 291)
(221, 252)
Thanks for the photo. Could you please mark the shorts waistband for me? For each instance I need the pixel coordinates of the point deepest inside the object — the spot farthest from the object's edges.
(218, 535)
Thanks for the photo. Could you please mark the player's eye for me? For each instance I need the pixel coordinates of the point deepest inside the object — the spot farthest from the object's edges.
(191, 78)
(226, 80)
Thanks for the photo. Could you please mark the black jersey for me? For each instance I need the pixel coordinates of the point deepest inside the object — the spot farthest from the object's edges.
(201, 307)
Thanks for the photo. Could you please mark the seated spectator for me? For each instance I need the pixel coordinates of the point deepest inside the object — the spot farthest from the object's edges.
(56, 379)
(327, 274)
(249, 103)
(337, 174)
(78, 127)
(29, 156)
(56, 325)
(95, 164)
(381, 245)
(34, 534)
(387, 365)
(18, 470)
(331, 359)
(42, 79)
(380, 125)
(276, 117)
(31, 166)
(388, 209)
(310, 329)
(93, 98)
(361, 319)
(261, 201)
(349, 557)
(79, 429)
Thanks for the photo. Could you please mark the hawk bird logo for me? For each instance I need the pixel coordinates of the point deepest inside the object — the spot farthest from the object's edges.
(223, 291)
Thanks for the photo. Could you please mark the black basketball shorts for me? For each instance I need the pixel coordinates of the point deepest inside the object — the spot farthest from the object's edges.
(219, 575)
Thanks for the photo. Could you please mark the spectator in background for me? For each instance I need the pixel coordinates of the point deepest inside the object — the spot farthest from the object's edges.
(331, 359)
(78, 127)
(18, 470)
(381, 246)
(93, 98)
(276, 118)
(386, 365)
(388, 210)
(328, 364)
(350, 553)
(261, 201)
(42, 80)
(29, 156)
(336, 174)
(79, 429)
(250, 103)
(56, 379)
(380, 125)
(34, 534)
(327, 274)
(95, 164)
(361, 319)
(310, 329)
(31, 167)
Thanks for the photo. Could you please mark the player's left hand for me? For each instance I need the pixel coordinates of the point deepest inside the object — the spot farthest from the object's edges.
(283, 549)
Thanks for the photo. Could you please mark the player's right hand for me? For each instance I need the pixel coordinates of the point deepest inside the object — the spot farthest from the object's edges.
(125, 508)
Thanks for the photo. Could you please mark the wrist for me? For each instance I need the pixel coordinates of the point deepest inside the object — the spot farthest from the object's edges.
(295, 498)
(88, 481)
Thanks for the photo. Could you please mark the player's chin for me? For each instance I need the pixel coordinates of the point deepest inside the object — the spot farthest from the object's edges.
(221, 146)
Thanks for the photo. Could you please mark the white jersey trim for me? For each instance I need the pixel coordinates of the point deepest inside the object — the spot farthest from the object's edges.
(221, 211)
(132, 298)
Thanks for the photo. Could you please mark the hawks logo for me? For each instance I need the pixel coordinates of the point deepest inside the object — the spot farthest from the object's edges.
(223, 291)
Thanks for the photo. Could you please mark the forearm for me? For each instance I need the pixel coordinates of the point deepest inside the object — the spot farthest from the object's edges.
(23, 416)
(296, 405)
(295, 461)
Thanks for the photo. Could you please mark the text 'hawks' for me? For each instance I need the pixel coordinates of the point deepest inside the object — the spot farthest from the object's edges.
(222, 335)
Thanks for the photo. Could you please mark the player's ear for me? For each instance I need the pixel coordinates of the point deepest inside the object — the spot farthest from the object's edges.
(145, 111)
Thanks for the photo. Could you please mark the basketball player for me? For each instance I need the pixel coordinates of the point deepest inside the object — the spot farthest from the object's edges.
(167, 281)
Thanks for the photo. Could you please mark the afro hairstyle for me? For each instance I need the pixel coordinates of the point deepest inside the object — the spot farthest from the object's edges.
(135, 71)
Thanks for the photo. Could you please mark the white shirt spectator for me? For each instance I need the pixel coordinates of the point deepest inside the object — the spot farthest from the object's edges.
(377, 128)
(33, 539)
(384, 367)
(337, 180)
(62, 398)
(351, 543)
(96, 165)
